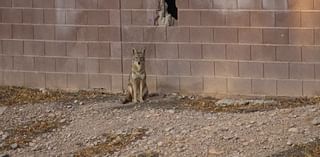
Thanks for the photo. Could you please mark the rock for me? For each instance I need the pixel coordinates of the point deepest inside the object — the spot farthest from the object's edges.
(160, 144)
(294, 130)
(227, 137)
(5, 136)
(51, 115)
(168, 129)
(171, 111)
(31, 144)
(289, 143)
(14, 146)
(316, 121)
(214, 151)
(313, 110)
(4, 155)
(245, 143)
(62, 120)
(2, 109)
(224, 129)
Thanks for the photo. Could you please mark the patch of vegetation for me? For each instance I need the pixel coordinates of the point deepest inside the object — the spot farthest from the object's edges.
(147, 154)
(311, 149)
(21, 95)
(113, 143)
(22, 135)
(209, 104)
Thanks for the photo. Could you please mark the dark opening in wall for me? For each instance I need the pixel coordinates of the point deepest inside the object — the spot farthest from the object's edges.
(172, 8)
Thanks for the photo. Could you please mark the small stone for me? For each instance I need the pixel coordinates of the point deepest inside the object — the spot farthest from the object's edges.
(313, 110)
(316, 121)
(51, 115)
(81, 103)
(224, 129)
(160, 144)
(31, 144)
(289, 143)
(62, 120)
(214, 151)
(180, 149)
(2, 109)
(245, 143)
(171, 111)
(294, 130)
(14, 146)
(168, 129)
(5, 136)
(227, 137)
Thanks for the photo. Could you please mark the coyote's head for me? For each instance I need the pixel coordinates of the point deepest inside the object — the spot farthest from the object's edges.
(138, 60)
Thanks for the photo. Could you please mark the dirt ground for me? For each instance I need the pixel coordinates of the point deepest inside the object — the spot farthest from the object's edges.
(93, 123)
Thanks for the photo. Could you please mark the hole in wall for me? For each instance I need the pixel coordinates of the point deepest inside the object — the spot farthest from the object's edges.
(172, 8)
(167, 13)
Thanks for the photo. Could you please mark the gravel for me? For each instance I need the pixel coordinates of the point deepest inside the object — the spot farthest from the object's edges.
(170, 131)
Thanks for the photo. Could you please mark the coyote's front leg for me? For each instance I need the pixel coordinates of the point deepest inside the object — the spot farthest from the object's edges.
(141, 91)
(135, 91)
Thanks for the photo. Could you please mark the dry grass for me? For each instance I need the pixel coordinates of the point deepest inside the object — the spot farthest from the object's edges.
(311, 149)
(114, 142)
(21, 95)
(209, 104)
(24, 134)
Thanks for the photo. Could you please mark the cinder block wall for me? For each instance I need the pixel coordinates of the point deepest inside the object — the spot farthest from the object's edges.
(61, 44)
(246, 47)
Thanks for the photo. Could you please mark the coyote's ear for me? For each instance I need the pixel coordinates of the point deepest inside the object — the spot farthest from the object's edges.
(134, 51)
(143, 51)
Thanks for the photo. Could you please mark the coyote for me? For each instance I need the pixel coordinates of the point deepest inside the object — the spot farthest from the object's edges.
(137, 85)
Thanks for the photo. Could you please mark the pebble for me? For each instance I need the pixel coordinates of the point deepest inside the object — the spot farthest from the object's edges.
(2, 109)
(51, 115)
(245, 143)
(62, 120)
(5, 136)
(289, 143)
(227, 137)
(294, 130)
(31, 144)
(313, 110)
(214, 151)
(316, 121)
(168, 129)
(14, 146)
